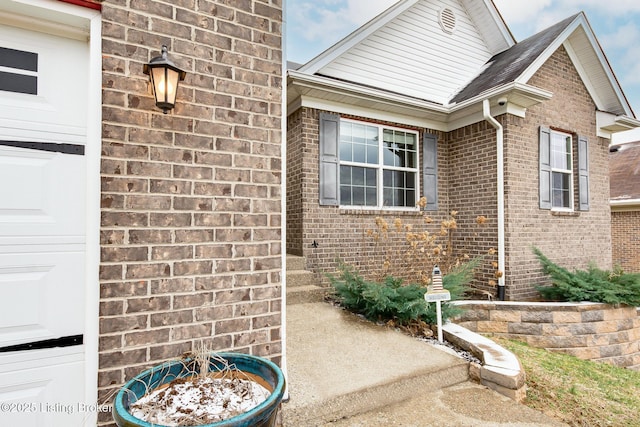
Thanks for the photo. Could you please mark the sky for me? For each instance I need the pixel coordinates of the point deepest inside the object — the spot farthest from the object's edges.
(314, 25)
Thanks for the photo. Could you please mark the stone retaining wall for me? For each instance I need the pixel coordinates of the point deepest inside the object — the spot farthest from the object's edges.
(591, 331)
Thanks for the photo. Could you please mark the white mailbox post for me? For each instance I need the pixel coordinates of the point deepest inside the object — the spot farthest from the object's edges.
(436, 293)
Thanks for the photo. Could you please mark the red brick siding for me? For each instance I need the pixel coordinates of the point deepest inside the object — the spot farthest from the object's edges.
(572, 241)
(625, 236)
(191, 217)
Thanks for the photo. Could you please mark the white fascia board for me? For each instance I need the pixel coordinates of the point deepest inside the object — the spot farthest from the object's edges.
(326, 57)
(335, 86)
(533, 95)
(370, 113)
(418, 112)
(625, 205)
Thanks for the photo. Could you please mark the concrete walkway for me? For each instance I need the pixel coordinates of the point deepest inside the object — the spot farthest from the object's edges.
(343, 371)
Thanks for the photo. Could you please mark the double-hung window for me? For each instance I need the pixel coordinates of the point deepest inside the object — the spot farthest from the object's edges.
(558, 171)
(561, 171)
(378, 166)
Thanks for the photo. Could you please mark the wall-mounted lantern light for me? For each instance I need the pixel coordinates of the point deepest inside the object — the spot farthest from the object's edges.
(164, 75)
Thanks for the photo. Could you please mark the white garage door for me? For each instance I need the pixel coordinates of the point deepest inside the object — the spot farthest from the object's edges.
(43, 110)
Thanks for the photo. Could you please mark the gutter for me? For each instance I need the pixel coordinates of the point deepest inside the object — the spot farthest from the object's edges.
(624, 205)
(486, 110)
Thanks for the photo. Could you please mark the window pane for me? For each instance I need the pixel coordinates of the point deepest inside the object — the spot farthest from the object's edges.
(358, 186)
(345, 152)
(358, 196)
(390, 154)
(358, 143)
(357, 176)
(345, 195)
(399, 188)
(345, 175)
(388, 197)
(372, 154)
(411, 158)
(371, 196)
(371, 177)
(359, 134)
(560, 151)
(359, 153)
(399, 149)
(561, 190)
(411, 180)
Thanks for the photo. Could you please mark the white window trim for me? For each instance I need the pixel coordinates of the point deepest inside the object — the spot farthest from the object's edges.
(380, 167)
(565, 171)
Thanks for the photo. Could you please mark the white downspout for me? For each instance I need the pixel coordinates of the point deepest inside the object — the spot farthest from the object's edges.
(486, 110)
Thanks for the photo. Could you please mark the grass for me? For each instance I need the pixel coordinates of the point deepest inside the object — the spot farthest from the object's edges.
(578, 392)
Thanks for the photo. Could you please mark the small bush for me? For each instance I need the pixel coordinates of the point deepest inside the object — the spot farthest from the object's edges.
(595, 285)
(395, 302)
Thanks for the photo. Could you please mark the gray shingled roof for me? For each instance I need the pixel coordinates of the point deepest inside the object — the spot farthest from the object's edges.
(507, 66)
(624, 171)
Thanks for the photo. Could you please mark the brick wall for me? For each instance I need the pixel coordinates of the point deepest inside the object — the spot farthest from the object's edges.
(625, 236)
(297, 141)
(571, 240)
(191, 220)
(473, 192)
(340, 234)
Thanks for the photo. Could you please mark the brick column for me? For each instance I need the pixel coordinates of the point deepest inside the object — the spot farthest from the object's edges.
(190, 233)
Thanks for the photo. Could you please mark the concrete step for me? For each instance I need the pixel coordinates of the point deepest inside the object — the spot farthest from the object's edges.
(297, 278)
(340, 366)
(302, 284)
(295, 262)
(305, 294)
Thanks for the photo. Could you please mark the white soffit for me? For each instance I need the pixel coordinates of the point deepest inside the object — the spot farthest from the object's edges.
(490, 24)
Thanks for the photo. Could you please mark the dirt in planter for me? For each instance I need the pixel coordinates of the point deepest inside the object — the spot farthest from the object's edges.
(202, 399)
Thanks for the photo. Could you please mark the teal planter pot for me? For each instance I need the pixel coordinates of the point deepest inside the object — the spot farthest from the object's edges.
(263, 415)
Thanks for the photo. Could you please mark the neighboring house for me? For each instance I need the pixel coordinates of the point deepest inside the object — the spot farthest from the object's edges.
(624, 166)
(436, 98)
(129, 236)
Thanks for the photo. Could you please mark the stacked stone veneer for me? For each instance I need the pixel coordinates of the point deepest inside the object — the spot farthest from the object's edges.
(591, 331)
(191, 200)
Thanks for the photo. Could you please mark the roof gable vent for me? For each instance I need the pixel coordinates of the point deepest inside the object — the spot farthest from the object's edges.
(447, 20)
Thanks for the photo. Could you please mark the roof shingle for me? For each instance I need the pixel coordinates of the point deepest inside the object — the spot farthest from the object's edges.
(508, 65)
(624, 171)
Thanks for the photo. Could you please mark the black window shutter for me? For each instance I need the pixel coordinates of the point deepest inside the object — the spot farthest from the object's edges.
(329, 164)
(430, 171)
(545, 167)
(583, 173)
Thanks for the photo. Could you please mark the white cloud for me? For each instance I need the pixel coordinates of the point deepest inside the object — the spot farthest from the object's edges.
(327, 21)
(518, 12)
